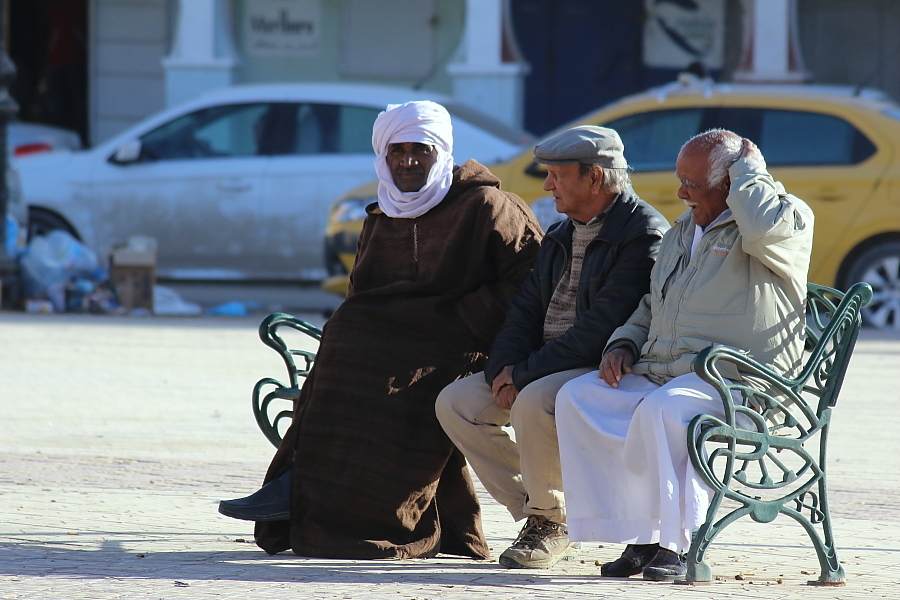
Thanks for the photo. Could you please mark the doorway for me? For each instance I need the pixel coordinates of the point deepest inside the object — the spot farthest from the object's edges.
(48, 42)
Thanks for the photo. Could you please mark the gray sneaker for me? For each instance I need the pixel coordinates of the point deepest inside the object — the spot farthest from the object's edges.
(540, 545)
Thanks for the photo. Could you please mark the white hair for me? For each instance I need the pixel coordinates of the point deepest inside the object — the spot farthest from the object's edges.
(724, 150)
(615, 180)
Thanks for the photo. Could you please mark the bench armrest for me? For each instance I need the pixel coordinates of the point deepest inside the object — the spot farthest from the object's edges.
(273, 401)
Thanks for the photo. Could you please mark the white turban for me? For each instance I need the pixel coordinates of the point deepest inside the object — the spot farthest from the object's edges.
(423, 122)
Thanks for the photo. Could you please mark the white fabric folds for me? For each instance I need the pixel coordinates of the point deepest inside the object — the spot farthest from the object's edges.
(424, 122)
(626, 471)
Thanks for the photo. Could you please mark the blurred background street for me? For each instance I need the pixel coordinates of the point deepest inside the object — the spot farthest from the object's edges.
(230, 140)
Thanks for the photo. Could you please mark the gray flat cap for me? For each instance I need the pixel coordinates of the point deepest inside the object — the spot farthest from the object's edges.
(586, 144)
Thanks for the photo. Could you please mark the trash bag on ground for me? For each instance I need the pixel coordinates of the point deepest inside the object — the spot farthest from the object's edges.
(167, 301)
(50, 262)
(15, 238)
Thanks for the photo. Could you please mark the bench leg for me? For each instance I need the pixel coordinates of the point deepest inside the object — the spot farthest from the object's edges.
(832, 573)
(698, 570)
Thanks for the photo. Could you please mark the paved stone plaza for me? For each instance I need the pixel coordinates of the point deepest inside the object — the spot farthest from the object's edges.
(119, 435)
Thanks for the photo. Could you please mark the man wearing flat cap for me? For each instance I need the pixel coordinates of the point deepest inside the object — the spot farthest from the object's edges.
(591, 272)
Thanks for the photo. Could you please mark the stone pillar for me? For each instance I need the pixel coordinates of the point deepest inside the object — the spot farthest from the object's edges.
(203, 53)
(771, 43)
(488, 72)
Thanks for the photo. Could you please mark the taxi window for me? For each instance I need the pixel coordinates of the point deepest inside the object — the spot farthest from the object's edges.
(653, 139)
(789, 138)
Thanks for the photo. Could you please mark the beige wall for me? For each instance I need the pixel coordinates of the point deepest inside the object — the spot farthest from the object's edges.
(129, 39)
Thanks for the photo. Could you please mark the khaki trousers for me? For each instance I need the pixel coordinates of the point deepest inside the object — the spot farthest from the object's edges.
(521, 473)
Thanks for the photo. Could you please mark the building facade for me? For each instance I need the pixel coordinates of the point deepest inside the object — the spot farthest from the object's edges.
(536, 63)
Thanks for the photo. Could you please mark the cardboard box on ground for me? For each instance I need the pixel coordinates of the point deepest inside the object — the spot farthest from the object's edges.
(132, 271)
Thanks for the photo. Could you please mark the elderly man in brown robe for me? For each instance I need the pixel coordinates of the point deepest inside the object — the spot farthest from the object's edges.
(365, 470)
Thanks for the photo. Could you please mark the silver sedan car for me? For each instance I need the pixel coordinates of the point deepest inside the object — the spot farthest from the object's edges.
(235, 184)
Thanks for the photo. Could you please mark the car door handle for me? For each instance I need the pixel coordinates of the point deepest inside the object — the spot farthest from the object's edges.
(235, 186)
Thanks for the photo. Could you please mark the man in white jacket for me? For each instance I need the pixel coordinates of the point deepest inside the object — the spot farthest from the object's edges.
(731, 271)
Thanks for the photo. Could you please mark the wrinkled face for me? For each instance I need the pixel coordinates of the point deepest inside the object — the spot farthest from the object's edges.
(571, 192)
(706, 203)
(410, 163)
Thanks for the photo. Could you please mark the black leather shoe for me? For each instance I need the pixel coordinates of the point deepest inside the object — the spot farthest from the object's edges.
(665, 566)
(631, 562)
(272, 502)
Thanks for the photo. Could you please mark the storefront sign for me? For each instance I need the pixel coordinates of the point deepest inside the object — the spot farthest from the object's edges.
(285, 28)
(680, 32)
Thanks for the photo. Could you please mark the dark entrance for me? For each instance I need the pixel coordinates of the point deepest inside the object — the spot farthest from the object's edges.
(48, 42)
(583, 54)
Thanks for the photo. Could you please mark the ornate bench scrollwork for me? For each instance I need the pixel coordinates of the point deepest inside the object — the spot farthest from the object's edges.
(273, 401)
(767, 457)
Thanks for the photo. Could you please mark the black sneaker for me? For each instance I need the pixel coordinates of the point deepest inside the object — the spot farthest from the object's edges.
(632, 561)
(666, 566)
(540, 545)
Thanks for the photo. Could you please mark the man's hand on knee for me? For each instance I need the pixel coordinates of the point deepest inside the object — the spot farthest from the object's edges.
(507, 396)
(614, 364)
(503, 389)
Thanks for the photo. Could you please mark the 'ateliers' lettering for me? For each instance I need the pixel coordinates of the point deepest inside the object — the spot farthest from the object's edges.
(282, 23)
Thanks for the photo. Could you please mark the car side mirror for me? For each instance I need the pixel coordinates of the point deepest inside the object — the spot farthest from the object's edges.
(128, 152)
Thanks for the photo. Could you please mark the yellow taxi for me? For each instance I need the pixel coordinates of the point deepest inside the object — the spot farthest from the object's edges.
(835, 147)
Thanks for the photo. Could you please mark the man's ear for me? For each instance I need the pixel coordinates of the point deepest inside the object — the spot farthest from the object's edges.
(597, 175)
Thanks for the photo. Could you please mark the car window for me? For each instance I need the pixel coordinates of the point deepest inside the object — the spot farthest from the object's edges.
(893, 113)
(223, 131)
(791, 137)
(330, 129)
(653, 139)
(795, 137)
(356, 129)
(506, 132)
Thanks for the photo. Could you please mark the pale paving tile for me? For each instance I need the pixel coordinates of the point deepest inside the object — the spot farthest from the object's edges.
(118, 436)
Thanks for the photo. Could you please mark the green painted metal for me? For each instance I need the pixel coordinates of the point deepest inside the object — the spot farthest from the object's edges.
(767, 457)
(267, 416)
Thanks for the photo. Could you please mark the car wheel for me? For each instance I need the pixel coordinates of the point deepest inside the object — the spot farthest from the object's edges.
(42, 222)
(879, 266)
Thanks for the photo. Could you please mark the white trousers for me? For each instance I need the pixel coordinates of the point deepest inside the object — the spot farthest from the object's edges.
(522, 474)
(625, 465)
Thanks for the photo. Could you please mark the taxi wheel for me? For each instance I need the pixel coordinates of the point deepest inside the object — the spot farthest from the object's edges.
(879, 266)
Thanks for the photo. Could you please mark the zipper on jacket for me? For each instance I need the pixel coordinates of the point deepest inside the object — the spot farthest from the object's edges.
(684, 261)
(415, 248)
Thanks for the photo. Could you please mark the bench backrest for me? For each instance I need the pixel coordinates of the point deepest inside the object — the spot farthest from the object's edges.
(833, 320)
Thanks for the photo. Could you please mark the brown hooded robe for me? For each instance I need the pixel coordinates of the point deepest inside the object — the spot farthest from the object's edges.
(374, 475)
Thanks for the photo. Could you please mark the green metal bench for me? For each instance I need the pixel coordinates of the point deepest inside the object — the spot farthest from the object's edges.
(767, 457)
(273, 401)
(770, 461)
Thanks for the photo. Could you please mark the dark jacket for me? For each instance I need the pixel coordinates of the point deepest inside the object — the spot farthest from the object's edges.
(614, 278)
